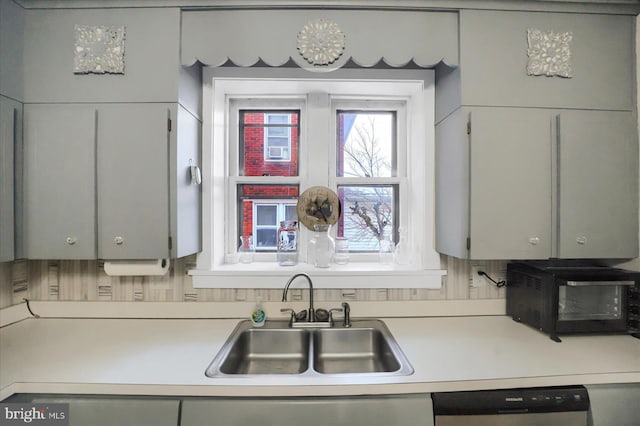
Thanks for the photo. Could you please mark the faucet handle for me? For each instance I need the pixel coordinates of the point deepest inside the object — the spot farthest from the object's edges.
(331, 311)
(292, 319)
(322, 315)
(302, 315)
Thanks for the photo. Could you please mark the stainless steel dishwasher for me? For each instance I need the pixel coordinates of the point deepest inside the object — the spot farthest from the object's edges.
(549, 406)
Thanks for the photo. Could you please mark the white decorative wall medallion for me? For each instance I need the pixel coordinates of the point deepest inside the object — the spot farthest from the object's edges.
(549, 53)
(320, 42)
(99, 49)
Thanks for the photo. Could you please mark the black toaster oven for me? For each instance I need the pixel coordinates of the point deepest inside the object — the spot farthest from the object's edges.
(566, 298)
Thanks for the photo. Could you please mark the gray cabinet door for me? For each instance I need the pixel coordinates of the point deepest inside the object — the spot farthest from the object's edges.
(186, 205)
(133, 181)
(59, 202)
(378, 410)
(510, 183)
(598, 185)
(117, 411)
(10, 137)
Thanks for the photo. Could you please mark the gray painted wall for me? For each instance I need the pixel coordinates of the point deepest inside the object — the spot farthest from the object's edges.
(41, 280)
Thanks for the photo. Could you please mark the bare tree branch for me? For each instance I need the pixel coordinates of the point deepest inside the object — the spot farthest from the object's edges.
(370, 211)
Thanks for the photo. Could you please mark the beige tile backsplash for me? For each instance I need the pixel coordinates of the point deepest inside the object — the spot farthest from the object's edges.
(85, 280)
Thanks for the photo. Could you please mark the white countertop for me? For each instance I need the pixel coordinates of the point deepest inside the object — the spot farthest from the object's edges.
(169, 357)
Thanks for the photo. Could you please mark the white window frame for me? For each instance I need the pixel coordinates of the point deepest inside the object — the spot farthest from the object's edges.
(216, 267)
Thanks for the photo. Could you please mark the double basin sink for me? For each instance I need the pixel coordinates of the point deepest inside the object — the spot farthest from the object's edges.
(367, 347)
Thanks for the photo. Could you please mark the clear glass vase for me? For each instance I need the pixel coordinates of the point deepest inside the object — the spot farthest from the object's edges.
(321, 246)
(246, 249)
(341, 255)
(403, 254)
(387, 247)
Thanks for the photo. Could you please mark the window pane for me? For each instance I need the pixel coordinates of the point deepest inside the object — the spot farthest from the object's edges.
(290, 212)
(266, 215)
(268, 144)
(260, 210)
(266, 239)
(366, 143)
(278, 118)
(369, 212)
(278, 142)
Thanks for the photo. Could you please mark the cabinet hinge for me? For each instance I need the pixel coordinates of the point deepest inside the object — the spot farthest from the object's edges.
(469, 127)
(468, 243)
(170, 243)
(168, 124)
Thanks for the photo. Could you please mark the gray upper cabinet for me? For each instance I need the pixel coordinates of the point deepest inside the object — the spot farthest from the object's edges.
(494, 184)
(104, 181)
(550, 167)
(10, 141)
(597, 184)
(133, 173)
(152, 43)
(494, 60)
(59, 200)
(533, 183)
(510, 189)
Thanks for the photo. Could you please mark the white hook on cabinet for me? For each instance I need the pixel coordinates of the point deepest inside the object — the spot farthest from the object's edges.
(194, 171)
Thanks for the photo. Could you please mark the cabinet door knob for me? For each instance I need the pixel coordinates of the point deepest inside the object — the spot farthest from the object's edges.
(118, 240)
(534, 240)
(71, 240)
(581, 240)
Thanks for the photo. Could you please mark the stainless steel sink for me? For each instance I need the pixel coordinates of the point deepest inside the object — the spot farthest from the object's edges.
(367, 347)
(353, 350)
(266, 351)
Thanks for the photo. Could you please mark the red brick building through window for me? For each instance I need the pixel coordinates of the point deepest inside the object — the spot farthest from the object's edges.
(269, 146)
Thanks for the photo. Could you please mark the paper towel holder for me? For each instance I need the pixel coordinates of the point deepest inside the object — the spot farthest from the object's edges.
(152, 267)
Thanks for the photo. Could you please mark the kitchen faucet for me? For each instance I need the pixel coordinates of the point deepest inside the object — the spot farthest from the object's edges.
(312, 313)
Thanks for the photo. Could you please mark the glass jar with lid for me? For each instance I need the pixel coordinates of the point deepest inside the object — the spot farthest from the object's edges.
(287, 243)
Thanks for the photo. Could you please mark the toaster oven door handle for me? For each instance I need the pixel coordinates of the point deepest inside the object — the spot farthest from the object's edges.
(598, 283)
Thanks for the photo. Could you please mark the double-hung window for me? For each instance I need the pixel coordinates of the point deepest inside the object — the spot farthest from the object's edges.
(269, 139)
(263, 160)
(370, 160)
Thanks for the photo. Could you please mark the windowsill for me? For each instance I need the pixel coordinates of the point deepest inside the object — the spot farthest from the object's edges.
(351, 275)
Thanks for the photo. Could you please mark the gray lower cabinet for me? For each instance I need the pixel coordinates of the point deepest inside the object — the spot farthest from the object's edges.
(117, 411)
(10, 140)
(613, 404)
(382, 410)
(528, 183)
(104, 180)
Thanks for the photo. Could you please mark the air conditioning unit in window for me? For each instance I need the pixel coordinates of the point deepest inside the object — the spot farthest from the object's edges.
(277, 152)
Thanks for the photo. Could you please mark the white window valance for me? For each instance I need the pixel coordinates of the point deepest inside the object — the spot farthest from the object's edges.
(271, 37)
